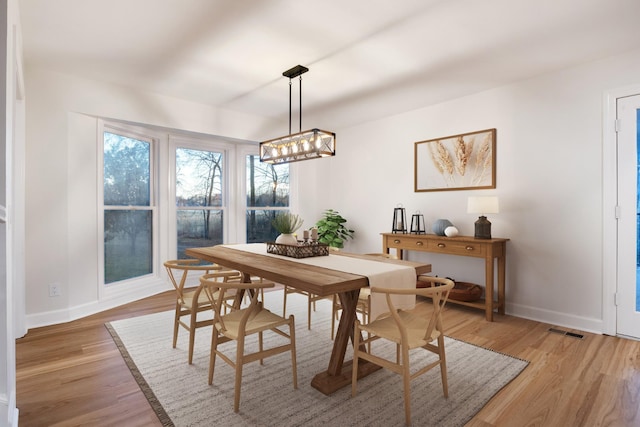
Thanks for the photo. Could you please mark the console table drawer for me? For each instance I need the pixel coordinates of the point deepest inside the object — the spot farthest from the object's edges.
(457, 248)
(408, 243)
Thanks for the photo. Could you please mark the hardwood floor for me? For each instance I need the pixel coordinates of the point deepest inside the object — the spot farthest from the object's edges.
(72, 374)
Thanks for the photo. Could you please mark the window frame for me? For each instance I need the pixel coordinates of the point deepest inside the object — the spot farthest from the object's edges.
(110, 290)
(204, 143)
(163, 174)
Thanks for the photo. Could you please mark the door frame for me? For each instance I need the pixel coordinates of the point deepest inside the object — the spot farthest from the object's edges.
(609, 205)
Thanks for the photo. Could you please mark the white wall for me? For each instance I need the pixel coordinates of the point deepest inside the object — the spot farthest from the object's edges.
(549, 181)
(61, 237)
(11, 208)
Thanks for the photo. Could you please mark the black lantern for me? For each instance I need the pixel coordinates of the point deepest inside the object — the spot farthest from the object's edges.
(417, 223)
(399, 220)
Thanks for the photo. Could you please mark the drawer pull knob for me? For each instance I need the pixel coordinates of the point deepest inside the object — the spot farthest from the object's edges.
(441, 245)
(469, 248)
(419, 243)
(396, 241)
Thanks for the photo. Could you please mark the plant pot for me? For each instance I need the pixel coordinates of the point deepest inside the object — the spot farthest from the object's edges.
(286, 239)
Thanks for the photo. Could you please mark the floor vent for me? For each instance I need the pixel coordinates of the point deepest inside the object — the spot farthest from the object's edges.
(567, 333)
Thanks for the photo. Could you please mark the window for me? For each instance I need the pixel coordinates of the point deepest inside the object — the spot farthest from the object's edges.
(267, 193)
(166, 191)
(199, 198)
(128, 206)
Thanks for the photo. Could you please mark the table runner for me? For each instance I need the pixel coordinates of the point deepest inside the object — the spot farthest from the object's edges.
(380, 274)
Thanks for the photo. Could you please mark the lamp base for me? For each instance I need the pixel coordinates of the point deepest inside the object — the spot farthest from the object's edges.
(483, 228)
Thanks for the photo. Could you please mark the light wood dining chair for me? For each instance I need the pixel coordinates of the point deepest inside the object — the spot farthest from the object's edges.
(237, 325)
(410, 329)
(191, 300)
(363, 307)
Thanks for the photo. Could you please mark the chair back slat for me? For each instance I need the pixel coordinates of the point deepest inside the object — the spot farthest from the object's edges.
(402, 329)
(439, 293)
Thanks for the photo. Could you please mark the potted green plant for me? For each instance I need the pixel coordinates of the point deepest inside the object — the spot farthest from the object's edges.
(332, 230)
(286, 224)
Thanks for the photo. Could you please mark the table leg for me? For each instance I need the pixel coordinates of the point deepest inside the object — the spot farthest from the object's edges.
(488, 288)
(501, 286)
(338, 374)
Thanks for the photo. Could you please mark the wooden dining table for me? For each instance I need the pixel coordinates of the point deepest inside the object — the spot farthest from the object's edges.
(320, 281)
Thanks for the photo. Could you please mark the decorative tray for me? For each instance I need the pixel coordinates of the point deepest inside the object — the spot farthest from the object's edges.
(298, 251)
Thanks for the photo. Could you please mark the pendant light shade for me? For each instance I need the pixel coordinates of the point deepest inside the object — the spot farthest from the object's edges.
(304, 145)
(309, 144)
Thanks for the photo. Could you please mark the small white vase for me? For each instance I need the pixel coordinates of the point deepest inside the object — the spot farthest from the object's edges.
(286, 239)
(451, 231)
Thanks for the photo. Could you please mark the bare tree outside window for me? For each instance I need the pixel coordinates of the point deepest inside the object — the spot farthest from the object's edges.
(199, 198)
(267, 194)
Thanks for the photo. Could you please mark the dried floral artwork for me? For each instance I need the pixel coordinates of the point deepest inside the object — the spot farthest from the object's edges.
(458, 162)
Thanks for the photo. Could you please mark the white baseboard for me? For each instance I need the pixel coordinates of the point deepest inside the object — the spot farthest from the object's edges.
(77, 312)
(13, 421)
(555, 318)
(8, 411)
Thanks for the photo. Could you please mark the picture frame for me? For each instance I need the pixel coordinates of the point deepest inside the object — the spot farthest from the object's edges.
(458, 162)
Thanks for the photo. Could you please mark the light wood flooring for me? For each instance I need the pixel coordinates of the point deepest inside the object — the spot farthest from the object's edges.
(73, 375)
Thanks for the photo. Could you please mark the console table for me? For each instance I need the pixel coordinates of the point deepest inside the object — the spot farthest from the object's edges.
(489, 249)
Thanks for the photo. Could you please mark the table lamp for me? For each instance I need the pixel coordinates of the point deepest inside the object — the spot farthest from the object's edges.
(482, 205)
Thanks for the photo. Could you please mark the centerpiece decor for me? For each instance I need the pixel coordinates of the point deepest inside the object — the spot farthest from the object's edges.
(286, 224)
(287, 243)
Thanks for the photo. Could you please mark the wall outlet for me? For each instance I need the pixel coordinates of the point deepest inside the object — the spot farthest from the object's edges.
(54, 290)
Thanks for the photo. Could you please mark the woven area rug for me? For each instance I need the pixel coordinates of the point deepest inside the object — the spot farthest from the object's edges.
(181, 396)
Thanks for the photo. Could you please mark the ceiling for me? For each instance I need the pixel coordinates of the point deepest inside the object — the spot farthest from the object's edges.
(367, 58)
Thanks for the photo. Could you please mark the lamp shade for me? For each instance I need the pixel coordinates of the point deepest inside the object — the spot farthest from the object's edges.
(483, 205)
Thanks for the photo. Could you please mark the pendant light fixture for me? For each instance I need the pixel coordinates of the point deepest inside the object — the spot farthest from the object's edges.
(304, 145)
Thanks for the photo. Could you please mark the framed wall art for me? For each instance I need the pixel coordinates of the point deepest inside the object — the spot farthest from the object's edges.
(458, 162)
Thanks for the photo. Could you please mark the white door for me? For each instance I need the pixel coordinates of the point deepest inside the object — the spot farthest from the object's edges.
(628, 302)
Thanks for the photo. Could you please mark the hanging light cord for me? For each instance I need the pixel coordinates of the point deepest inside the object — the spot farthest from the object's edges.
(300, 130)
(289, 106)
(290, 92)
